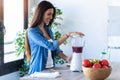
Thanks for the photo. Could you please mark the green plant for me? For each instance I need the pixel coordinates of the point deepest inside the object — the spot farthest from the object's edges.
(55, 27)
(20, 48)
(23, 70)
(56, 24)
(19, 42)
(59, 61)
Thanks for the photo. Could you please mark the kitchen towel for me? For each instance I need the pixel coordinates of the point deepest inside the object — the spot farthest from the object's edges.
(45, 74)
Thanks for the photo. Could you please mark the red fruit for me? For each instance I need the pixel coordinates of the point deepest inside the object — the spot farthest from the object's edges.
(86, 63)
(97, 65)
(104, 66)
(104, 62)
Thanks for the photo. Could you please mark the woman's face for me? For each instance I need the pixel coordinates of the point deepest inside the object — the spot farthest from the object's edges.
(48, 16)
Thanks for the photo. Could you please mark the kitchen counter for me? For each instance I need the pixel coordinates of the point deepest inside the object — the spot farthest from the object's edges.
(66, 74)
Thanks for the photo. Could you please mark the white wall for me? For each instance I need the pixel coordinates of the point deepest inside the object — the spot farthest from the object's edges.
(89, 17)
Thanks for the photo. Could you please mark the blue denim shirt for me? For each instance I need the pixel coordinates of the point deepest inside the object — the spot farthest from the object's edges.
(39, 46)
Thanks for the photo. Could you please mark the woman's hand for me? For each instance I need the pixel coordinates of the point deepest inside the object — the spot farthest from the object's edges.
(75, 33)
(67, 35)
(80, 33)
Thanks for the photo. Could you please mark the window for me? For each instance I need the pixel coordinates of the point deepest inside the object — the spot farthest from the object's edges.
(113, 30)
(13, 21)
(14, 16)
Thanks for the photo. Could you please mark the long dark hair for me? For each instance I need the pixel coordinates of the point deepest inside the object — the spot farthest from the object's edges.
(37, 19)
(42, 7)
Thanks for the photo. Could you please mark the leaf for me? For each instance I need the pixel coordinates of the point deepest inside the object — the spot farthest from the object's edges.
(19, 42)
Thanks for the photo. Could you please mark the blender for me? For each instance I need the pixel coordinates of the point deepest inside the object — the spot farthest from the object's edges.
(77, 48)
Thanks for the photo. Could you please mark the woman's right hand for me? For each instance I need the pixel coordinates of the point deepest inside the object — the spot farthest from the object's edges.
(67, 35)
(75, 33)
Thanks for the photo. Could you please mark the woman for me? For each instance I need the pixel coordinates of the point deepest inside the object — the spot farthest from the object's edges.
(40, 41)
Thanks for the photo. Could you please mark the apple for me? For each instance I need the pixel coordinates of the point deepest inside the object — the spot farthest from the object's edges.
(104, 66)
(86, 63)
(97, 65)
(104, 62)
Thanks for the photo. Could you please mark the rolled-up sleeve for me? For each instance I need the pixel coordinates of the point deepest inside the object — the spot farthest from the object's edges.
(39, 39)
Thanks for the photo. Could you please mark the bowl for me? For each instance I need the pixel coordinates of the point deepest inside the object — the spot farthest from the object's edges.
(97, 73)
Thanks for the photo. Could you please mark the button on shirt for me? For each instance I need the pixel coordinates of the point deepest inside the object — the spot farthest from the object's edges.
(39, 47)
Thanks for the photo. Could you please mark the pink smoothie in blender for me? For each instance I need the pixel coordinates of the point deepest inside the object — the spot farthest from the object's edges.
(77, 49)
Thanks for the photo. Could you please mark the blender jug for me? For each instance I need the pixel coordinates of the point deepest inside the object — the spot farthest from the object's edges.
(77, 48)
